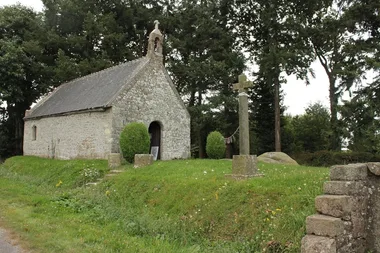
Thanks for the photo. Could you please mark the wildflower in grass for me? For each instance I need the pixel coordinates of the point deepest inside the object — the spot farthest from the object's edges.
(58, 184)
(108, 193)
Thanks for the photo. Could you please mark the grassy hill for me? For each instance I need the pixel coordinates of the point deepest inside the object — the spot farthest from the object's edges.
(171, 206)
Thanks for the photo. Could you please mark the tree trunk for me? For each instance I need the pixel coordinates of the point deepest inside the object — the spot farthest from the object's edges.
(335, 138)
(199, 130)
(277, 114)
(16, 130)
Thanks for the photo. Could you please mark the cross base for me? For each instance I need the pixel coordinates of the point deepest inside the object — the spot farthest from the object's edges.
(244, 167)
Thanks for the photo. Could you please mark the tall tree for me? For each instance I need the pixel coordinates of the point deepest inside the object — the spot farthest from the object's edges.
(204, 61)
(91, 35)
(23, 70)
(360, 119)
(345, 46)
(274, 32)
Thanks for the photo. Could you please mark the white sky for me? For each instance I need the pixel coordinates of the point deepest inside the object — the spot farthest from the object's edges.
(297, 95)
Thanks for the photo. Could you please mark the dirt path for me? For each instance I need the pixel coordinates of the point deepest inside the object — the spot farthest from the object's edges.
(7, 245)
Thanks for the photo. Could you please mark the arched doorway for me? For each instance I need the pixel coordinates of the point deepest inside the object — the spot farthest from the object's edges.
(155, 139)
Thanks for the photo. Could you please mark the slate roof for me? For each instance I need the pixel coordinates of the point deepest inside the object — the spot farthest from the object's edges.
(93, 91)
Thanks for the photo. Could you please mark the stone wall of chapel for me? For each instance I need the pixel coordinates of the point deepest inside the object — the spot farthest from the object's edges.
(152, 98)
(84, 135)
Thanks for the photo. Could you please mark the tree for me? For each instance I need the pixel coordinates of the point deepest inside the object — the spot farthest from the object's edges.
(274, 32)
(88, 36)
(312, 130)
(344, 52)
(204, 60)
(23, 70)
(360, 118)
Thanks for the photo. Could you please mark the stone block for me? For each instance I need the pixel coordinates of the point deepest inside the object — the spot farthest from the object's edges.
(359, 216)
(351, 172)
(353, 246)
(114, 160)
(351, 188)
(244, 167)
(338, 206)
(317, 244)
(374, 168)
(142, 160)
(323, 225)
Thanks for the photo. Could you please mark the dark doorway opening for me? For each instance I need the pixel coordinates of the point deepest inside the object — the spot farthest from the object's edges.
(155, 139)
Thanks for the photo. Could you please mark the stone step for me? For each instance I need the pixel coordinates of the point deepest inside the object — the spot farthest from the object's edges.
(350, 172)
(352, 188)
(324, 225)
(338, 206)
(318, 244)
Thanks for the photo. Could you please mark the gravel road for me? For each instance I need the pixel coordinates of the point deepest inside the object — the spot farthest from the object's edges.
(6, 245)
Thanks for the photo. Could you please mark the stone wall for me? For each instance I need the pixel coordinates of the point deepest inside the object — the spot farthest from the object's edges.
(153, 97)
(82, 135)
(348, 214)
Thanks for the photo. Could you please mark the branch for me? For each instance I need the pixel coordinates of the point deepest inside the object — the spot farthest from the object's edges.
(322, 60)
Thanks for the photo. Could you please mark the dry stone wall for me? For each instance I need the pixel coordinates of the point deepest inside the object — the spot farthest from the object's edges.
(348, 214)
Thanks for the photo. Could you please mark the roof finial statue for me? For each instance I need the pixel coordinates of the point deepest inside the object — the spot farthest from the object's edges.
(155, 41)
(156, 23)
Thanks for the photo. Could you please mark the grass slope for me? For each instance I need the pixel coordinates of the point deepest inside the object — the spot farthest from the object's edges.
(171, 206)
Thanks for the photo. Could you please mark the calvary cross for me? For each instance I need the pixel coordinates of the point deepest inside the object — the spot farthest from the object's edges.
(243, 83)
(241, 86)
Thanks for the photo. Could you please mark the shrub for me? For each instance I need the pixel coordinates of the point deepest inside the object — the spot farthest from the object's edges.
(326, 158)
(134, 139)
(215, 146)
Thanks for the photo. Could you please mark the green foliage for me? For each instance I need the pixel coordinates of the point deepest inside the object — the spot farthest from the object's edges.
(48, 172)
(139, 211)
(312, 130)
(205, 59)
(24, 71)
(328, 158)
(360, 120)
(215, 146)
(134, 139)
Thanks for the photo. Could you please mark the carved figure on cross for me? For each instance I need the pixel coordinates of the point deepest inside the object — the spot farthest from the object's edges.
(243, 84)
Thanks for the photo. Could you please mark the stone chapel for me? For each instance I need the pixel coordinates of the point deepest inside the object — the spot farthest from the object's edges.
(84, 117)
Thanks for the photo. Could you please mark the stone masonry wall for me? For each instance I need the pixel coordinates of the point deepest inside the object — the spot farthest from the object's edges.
(84, 135)
(348, 214)
(153, 98)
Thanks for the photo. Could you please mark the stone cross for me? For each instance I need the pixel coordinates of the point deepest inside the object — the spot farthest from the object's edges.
(242, 86)
(156, 23)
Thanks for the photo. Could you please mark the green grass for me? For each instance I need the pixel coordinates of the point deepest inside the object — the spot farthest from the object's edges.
(170, 206)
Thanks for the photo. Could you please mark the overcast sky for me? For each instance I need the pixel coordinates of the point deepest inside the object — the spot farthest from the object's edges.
(297, 95)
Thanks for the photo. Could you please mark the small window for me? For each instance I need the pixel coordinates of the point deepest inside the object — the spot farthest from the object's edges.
(34, 133)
